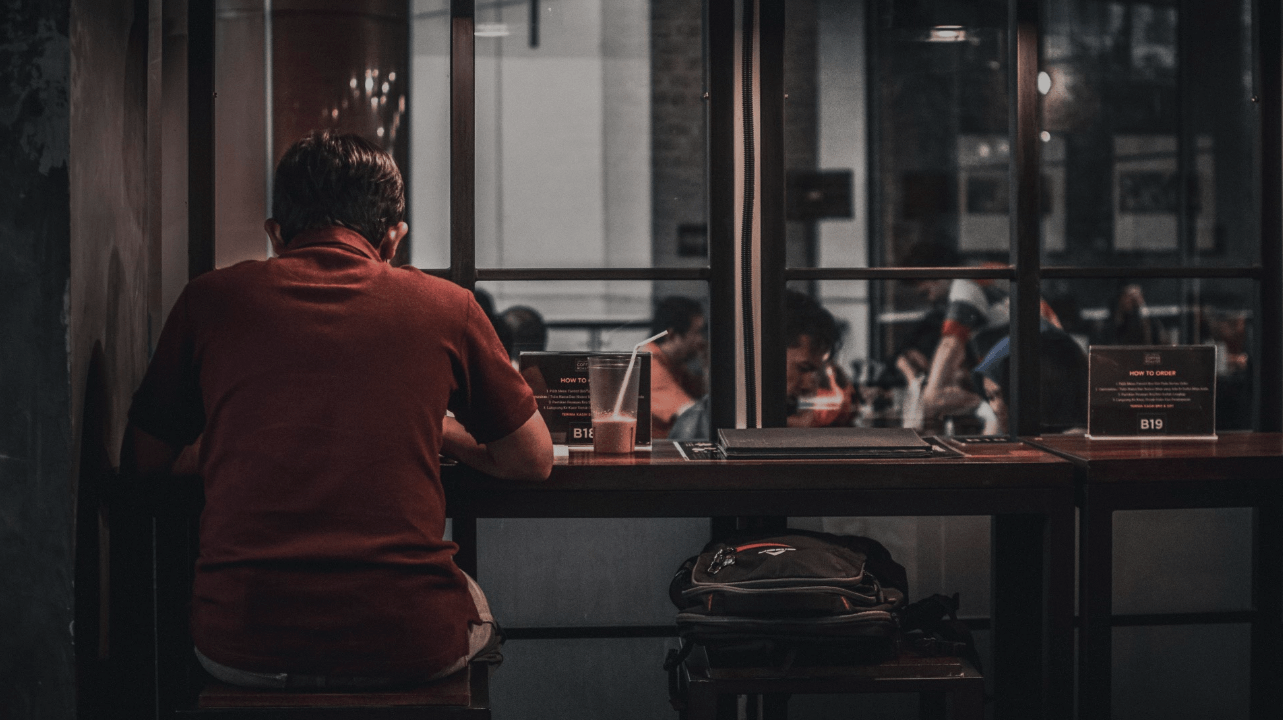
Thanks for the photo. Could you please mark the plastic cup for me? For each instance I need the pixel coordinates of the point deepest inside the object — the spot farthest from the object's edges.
(614, 431)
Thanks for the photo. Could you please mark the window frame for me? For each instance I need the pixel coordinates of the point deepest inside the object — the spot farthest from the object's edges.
(1025, 269)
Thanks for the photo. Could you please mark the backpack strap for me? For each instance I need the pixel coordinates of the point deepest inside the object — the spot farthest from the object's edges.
(672, 665)
(931, 627)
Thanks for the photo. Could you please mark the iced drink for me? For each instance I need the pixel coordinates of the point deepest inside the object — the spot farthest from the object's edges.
(614, 434)
(612, 391)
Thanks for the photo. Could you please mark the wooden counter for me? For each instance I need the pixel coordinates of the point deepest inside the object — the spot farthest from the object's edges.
(1028, 491)
(1235, 470)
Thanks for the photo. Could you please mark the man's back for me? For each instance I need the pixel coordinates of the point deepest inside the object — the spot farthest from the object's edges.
(320, 380)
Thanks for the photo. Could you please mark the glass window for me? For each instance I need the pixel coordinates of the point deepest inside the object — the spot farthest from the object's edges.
(887, 336)
(429, 186)
(1150, 129)
(590, 140)
(592, 315)
(1171, 312)
(890, 332)
(615, 316)
(937, 129)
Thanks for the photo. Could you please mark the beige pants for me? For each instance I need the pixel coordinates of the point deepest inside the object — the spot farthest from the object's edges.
(483, 646)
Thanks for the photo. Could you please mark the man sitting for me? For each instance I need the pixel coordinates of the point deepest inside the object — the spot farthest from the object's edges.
(673, 387)
(319, 382)
(811, 334)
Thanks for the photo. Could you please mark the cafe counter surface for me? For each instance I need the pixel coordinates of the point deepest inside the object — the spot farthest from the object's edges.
(1228, 456)
(643, 483)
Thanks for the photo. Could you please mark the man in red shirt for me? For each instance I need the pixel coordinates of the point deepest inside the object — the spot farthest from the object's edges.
(318, 382)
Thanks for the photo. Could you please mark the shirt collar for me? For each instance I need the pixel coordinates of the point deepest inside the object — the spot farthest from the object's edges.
(335, 236)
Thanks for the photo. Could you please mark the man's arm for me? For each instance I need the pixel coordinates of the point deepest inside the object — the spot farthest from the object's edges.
(942, 394)
(524, 454)
(144, 458)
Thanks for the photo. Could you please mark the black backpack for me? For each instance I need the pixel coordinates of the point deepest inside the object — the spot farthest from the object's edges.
(772, 598)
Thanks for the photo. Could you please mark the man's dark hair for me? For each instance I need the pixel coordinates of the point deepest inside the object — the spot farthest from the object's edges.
(326, 179)
(675, 313)
(804, 316)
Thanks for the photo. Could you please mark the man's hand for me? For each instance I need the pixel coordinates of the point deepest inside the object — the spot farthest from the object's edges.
(943, 394)
(524, 454)
(143, 459)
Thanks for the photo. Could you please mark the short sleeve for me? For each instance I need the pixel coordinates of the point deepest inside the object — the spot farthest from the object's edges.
(968, 306)
(168, 404)
(491, 399)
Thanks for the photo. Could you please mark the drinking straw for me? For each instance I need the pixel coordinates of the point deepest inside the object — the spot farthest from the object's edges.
(628, 374)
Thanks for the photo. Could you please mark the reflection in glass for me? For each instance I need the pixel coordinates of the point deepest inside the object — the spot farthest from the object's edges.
(1152, 103)
(916, 122)
(589, 134)
(939, 129)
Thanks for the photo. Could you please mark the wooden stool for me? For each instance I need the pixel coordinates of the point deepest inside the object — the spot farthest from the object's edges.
(711, 691)
(462, 695)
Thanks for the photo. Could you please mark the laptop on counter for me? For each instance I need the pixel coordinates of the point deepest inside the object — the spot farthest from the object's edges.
(821, 443)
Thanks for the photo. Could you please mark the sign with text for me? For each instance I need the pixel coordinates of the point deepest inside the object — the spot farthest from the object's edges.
(1152, 391)
(560, 383)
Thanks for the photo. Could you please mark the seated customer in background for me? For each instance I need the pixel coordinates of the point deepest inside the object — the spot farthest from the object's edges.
(811, 334)
(1063, 387)
(972, 305)
(526, 331)
(969, 306)
(486, 302)
(673, 387)
(320, 380)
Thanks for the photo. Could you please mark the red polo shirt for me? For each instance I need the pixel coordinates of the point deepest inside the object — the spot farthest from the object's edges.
(319, 380)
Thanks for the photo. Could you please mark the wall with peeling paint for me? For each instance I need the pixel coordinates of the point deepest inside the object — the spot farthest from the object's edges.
(36, 667)
(73, 288)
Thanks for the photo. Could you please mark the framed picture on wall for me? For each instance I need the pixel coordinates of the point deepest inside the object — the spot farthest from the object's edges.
(984, 196)
(1147, 194)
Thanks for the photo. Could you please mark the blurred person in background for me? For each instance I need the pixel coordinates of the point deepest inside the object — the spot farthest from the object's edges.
(1063, 395)
(526, 331)
(811, 336)
(1130, 321)
(970, 306)
(486, 301)
(674, 385)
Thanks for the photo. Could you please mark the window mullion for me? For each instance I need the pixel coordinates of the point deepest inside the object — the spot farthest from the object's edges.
(1025, 173)
(463, 167)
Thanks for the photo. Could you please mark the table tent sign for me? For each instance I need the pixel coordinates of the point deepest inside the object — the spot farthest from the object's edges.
(560, 384)
(1152, 392)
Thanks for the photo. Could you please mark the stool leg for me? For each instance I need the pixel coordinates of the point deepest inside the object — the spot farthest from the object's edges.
(968, 704)
(775, 707)
(1095, 603)
(1267, 599)
(702, 702)
(931, 706)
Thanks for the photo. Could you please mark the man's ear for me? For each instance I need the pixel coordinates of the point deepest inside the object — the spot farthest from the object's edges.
(391, 240)
(273, 229)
